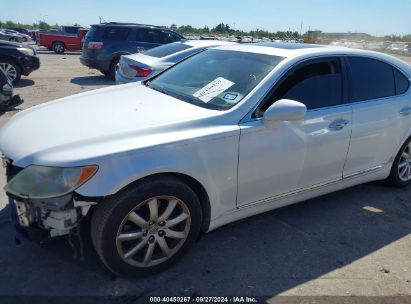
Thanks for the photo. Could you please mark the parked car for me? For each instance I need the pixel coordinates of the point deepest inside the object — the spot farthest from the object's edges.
(17, 59)
(10, 36)
(105, 43)
(6, 90)
(24, 37)
(407, 49)
(140, 66)
(228, 133)
(20, 30)
(62, 41)
(397, 48)
(7, 99)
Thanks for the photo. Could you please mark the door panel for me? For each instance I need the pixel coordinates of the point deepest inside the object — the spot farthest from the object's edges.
(292, 155)
(380, 118)
(377, 131)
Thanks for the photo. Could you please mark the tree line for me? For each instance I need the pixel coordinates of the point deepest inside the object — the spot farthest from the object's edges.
(225, 29)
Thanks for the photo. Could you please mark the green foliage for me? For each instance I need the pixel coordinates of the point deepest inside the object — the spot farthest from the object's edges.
(225, 29)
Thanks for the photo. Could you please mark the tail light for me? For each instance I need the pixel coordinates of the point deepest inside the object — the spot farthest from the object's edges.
(141, 72)
(95, 45)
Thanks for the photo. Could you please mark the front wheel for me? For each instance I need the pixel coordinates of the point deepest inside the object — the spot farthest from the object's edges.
(145, 229)
(400, 175)
(11, 69)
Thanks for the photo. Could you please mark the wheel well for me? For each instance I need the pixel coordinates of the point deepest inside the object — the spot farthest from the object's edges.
(196, 186)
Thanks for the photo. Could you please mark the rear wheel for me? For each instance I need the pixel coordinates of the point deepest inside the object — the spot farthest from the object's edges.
(59, 47)
(400, 175)
(11, 70)
(146, 229)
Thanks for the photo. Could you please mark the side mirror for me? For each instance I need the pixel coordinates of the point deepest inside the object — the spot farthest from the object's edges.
(285, 110)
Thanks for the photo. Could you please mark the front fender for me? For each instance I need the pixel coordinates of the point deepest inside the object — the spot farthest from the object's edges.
(212, 163)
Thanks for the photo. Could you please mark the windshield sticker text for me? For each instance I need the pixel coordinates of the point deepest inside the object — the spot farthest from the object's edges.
(213, 89)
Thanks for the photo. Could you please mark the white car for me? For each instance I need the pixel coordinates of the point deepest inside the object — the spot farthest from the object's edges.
(141, 66)
(226, 134)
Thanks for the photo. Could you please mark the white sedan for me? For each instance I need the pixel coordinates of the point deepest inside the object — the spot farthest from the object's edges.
(226, 134)
(141, 66)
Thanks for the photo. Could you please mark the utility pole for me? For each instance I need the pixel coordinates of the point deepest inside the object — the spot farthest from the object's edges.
(301, 28)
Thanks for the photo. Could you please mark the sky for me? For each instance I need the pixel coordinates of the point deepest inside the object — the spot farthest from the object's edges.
(375, 17)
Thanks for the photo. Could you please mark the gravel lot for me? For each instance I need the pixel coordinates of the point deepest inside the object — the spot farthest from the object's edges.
(354, 242)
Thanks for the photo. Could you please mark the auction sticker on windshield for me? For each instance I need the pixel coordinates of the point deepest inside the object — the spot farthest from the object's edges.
(213, 89)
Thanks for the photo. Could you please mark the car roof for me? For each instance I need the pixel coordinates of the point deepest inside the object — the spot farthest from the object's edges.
(303, 51)
(205, 43)
(124, 24)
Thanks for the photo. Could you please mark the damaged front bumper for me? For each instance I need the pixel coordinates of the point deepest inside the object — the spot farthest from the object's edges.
(42, 219)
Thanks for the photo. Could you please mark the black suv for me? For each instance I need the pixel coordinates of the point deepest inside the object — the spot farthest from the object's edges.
(17, 59)
(105, 43)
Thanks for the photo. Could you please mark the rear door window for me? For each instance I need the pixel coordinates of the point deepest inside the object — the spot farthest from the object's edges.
(370, 79)
(116, 33)
(148, 35)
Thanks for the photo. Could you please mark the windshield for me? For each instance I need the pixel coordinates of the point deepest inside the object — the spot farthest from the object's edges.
(215, 79)
(167, 49)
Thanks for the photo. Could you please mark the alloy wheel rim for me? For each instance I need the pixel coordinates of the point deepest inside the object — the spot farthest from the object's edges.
(9, 70)
(59, 48)
(404, 167)
(153, 232)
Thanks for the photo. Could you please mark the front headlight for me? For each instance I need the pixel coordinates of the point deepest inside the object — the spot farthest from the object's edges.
(38, 182)
(26, 51)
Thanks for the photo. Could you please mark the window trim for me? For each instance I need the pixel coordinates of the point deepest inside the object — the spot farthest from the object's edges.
(256, 115)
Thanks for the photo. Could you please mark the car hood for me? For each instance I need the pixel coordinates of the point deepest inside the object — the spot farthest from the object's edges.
(95, 124)
(13, 45)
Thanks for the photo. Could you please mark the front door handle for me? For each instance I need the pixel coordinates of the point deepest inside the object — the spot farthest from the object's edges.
(405, 111)
(338, 124)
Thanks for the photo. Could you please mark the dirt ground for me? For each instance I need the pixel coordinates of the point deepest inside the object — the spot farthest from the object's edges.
(354, 242)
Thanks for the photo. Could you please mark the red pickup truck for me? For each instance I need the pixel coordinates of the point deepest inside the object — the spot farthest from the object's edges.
(68, 38)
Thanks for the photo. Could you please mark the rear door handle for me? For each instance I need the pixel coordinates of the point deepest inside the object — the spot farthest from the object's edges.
(338, 124)
(405, 111)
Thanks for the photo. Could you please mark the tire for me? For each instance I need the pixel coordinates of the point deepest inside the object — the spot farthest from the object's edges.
(112, 72)
(402, 162)
(111, 220)
(13, 39)
(59, 47)
(11, 69)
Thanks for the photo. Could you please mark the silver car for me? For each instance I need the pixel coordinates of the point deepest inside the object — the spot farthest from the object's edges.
(140, 66)
(10, 36)
(226, 134)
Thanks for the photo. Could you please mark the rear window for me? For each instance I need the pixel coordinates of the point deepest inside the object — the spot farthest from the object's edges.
(166, 50)
(71, 30)
(116, 33)
(92, 32)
